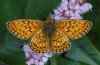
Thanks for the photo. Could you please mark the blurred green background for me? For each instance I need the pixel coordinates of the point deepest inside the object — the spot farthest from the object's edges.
(85, 51)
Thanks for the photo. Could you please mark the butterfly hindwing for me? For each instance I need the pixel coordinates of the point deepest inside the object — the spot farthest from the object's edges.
(60, 42)
(74, 29)
(39, 42)
(24, 28)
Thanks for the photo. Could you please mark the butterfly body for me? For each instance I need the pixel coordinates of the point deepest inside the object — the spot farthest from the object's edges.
(50, 35)
(49, 28)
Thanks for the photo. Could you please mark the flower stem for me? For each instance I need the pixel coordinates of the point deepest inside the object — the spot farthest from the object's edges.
(53, 61)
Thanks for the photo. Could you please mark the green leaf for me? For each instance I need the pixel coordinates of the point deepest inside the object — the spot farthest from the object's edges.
(53, 61)
(83, 51)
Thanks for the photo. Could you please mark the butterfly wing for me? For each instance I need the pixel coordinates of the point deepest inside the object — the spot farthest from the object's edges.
(60, 42)
(39, 42)
(24, 28)
(74, 29)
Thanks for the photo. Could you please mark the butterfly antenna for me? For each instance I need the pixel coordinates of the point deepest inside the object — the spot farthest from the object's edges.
(40, 12)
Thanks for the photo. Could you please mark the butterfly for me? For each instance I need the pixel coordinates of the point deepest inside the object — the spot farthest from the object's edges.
(53, 36)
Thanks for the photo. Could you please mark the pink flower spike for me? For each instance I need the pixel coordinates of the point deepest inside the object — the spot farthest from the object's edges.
(56, 12)
(44, 59)
(41, 63)
(71, 9)
(35, 58)
(86, 7)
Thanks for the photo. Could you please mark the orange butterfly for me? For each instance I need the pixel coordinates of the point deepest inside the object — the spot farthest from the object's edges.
(49, 35)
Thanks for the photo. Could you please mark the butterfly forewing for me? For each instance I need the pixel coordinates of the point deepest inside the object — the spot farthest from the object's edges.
(39, 42)
(24, 28)
(60, 42)
(74, 29)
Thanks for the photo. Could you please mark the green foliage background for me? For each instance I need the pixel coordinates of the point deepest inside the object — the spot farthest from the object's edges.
(85, 51)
